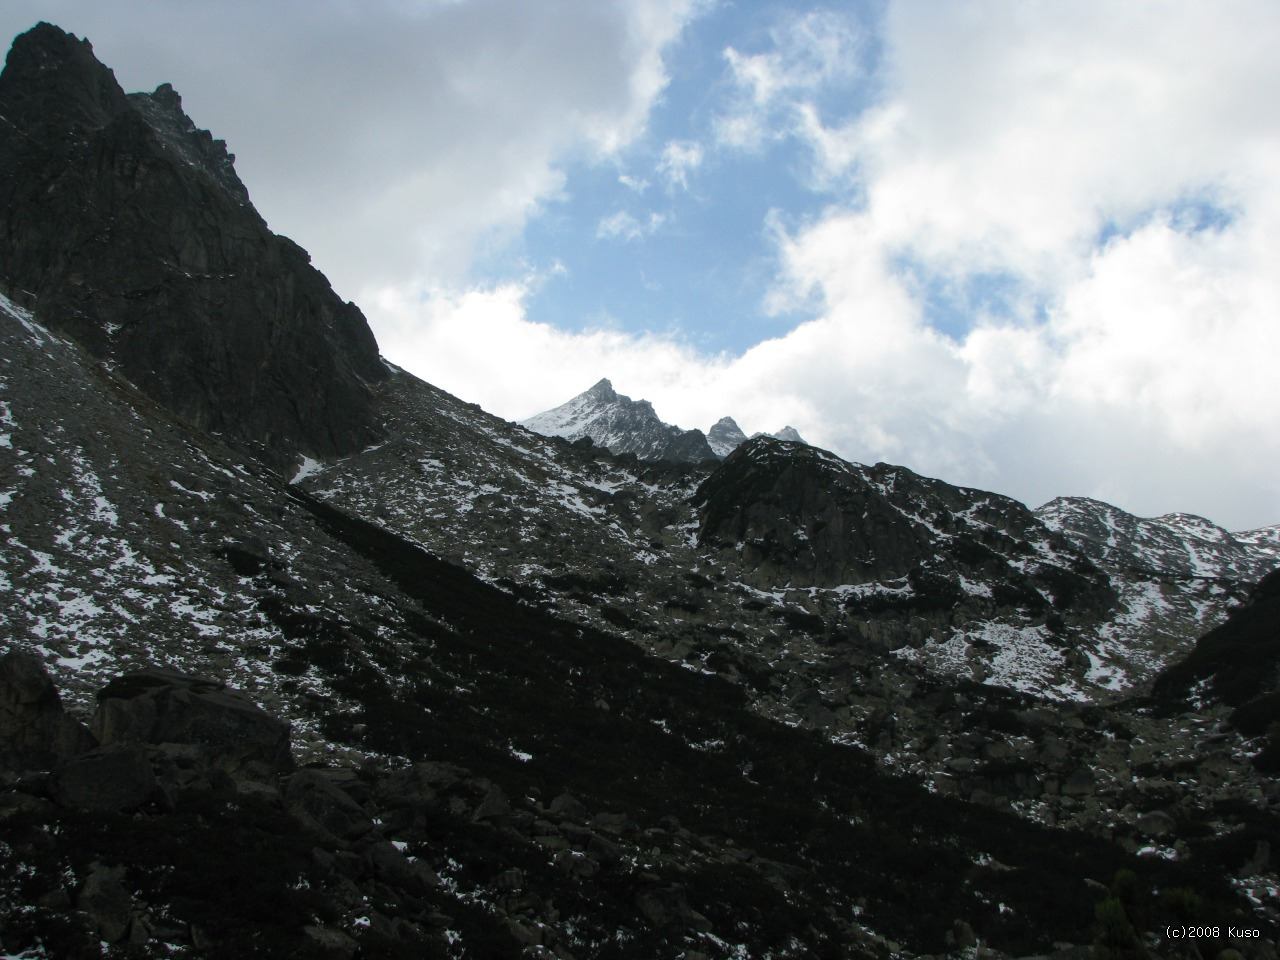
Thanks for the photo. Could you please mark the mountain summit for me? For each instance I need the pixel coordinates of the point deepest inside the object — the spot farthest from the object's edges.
(126, 227)
(623, 425)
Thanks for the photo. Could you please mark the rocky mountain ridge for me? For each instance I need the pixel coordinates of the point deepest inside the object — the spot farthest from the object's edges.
(866, 713)
(626, 426)
(1178, 544)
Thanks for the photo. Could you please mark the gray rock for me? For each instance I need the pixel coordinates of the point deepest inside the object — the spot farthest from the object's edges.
(422, 781)
(1157, 823)
(161, 706)
(568, 807)
(388, 863)
(104, 898)
(667, 908)
(333, 943)
(494, 806)
(315, 800)
(962, 935)
(35, 731)
(112, 778)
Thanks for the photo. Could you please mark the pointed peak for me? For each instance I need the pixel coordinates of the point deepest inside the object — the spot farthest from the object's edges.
(727, 423)
(603, 390)
(48, 66)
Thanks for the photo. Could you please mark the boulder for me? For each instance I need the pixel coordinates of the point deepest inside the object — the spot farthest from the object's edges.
(104, 898)
(113, 778)
(315, 800)
(35, 731)
(568, 807)
(164, 707)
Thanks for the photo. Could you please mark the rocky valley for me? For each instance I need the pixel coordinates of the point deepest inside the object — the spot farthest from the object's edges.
(305, 657)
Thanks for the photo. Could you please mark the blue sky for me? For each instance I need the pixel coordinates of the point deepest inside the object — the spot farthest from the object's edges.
(676, 231)
(1028, 247)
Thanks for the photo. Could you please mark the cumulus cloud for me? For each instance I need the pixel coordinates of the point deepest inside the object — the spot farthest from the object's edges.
(1114, 167)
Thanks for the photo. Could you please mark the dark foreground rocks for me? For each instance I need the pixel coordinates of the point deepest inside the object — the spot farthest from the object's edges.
(183, 829)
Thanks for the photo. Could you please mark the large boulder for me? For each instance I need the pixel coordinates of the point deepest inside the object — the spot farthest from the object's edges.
(111, 779)
(317, 801)
(165, 707)
(35, 731)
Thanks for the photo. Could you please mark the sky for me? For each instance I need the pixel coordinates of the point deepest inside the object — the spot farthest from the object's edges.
(1025, 246)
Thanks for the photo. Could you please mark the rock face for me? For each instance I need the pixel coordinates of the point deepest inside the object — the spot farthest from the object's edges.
(1237, 664)
(798, 508)
(129, 229)
(797, 513)
(790, 434)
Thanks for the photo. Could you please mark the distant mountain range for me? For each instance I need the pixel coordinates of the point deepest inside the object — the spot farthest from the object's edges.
(306, 657)
(623, 426)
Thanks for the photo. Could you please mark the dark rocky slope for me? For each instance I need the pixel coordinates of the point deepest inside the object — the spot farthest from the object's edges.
(1237, 665)
(127, 227)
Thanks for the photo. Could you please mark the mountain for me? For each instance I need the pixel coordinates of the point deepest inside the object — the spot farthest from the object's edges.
(623, 425)
(725, 436)
(462, 689)
(128, 228)
(790, 434)
(1176, 545)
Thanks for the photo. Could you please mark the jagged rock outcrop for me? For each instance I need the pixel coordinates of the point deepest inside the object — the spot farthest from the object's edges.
(802, 515)
(799, 509)
(790, 434)
(127, 227)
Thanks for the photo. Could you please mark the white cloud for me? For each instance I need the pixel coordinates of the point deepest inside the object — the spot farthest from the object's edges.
(623, 226)
(1013, 142)
(678, 159)
(638, 184)
(808, 53)
(524, 367)
(1057, 147)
